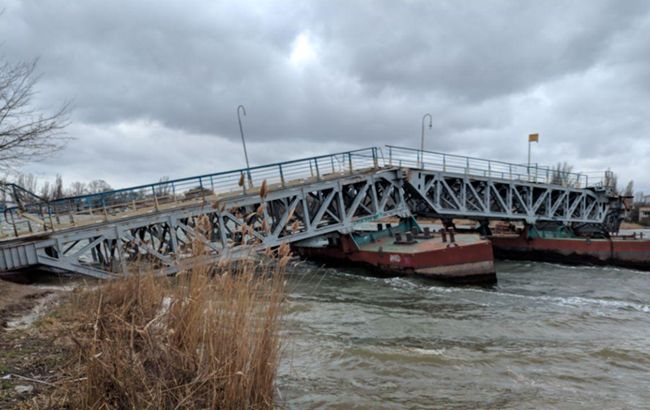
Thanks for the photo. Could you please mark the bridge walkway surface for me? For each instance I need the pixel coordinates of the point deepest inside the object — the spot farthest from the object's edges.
(242, 211)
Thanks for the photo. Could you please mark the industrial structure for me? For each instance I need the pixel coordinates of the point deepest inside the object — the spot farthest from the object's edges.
(242, 211)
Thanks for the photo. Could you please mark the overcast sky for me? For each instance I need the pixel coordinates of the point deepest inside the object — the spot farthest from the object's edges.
(155, 85)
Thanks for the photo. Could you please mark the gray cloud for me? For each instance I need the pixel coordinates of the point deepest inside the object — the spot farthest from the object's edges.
(155, 85)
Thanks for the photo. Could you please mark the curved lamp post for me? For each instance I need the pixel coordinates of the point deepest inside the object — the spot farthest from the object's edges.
(243, 141)
(422, 141)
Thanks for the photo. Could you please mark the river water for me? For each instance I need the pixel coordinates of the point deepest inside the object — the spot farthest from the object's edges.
(545, 336)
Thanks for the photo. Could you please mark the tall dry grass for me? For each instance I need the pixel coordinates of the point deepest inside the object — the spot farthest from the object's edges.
(207, 338)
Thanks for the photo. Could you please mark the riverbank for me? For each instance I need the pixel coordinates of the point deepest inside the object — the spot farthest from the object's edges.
(206, 338)
(545, 335)
(30, 353)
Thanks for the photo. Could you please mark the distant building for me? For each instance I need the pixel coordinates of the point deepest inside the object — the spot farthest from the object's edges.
(644, 215)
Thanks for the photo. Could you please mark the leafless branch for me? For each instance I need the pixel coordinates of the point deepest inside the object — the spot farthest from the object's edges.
(25, 133)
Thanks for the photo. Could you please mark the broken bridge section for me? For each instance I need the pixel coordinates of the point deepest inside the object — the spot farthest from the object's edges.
(105, 235)
(235, 213)
(451, 186)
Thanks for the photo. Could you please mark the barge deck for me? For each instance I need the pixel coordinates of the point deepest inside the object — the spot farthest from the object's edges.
(408, 250)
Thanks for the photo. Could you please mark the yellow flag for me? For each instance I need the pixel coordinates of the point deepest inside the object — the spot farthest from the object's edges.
(533, 138)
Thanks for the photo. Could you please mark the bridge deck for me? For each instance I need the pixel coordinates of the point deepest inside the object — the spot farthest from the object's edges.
(88, 216)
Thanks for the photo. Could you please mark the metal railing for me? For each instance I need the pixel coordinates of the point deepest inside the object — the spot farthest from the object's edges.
(91, 208)
(438, 161)
(61, 213)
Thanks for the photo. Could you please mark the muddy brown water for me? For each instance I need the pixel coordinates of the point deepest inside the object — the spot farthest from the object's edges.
(545, 336)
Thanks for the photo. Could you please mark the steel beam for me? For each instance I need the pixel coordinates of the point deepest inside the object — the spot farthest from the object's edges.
(238, 224)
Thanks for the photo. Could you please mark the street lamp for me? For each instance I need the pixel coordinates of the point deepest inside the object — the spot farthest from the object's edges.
(243, 141)
(422, 142)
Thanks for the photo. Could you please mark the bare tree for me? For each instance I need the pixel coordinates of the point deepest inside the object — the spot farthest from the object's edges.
(78, 188)
(27, 181)
(97, 186)
(25, 133)
(46, 191)
(164, 188)
(561, 174)
(57, 188)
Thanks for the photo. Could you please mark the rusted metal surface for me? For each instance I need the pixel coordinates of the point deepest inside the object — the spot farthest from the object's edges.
(626, 252)
(469, 259)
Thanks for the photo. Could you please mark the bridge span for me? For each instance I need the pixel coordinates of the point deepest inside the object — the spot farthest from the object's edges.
(245, 210)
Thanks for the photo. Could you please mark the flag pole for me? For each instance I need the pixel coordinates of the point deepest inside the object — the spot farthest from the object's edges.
(531, 138)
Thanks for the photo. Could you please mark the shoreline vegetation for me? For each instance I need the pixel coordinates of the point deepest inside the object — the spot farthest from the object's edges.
(208, 337)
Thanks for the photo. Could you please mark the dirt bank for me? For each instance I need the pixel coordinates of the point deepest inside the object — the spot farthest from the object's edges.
(18, 299)
(29, 354)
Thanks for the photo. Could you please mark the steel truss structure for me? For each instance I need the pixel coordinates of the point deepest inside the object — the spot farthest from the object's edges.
(475, 197)
(237, 212)
(225, 227)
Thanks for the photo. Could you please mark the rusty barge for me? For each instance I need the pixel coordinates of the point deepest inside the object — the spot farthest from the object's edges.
(563, 246)
(406, 250)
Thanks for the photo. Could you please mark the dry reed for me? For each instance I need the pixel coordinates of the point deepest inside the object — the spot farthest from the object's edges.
(207, 338)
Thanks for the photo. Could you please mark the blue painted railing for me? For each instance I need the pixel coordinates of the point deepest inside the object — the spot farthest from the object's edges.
(71, 210)
(439, 161)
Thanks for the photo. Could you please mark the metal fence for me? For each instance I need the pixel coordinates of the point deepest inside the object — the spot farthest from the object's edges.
(38, 215)
(438, 161)
(84, 209)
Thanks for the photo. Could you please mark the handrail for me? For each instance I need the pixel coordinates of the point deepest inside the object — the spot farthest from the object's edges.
(494, 161)
(82, 208)
(89, 208)
(15, 188)
(486, 167)
(235, 171)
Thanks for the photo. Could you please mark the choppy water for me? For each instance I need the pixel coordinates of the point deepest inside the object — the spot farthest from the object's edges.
(546, 336)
